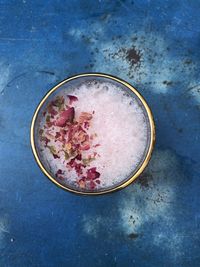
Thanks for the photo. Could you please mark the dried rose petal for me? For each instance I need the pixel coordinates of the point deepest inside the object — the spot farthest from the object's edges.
(74, 139)
(81, 183)
(93, 169)
(62, 137)
(86, 125)
(50, 124)
(48, 132)
(76, 132)
(81, 137)
(57, 135)
(80, 128)
(72, 98)
(51, 110)
(63, 132)
(68, 146)
(48, 118)
(92, 174)
(79, 157)
(92, 185)
(85, 147)
(45, 140)
(41, 131)
(88, 160)
(59, 172)
(70, 133)
(96, 145)
(66, 155)
(78, 167)
(71, 163)
(83, 178)
(59, 102)
(97, 175)
(55, 156)
(85, 116)
(76, 147)
(65, 116)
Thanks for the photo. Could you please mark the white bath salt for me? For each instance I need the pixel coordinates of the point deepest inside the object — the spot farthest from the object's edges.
(92, 137)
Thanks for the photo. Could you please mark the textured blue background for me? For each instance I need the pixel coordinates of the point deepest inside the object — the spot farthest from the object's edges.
(155, 46)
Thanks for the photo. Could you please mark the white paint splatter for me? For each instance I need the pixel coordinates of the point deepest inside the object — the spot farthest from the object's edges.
(4, 229)
(76, 33)
(130, 218)
(141, 206)
(4, 76)
(158, 69)
(92, 225)
(172, 242)
(95, 30)
(146, 70)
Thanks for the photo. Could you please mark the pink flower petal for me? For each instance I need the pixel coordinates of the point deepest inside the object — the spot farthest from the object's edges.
(79, 157)
(93, 169)
(92, 174)
(65, 116)
(45, 140)
(57, 135)
(85, 116)
(92, 185)
(50, 124)
(85, 147)
(55, 156)
(96, 145)
(58, 173)
(86, 125)
(72, 98)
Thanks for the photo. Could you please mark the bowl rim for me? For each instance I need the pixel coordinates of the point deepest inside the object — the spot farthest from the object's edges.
(152, 131)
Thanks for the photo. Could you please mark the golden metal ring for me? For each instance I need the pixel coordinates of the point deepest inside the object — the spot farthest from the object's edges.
(145, 161)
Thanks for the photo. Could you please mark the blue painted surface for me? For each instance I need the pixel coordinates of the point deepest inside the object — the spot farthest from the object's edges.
(156, 220)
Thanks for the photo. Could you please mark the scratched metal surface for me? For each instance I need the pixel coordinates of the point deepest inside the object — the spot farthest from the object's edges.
(155, 46)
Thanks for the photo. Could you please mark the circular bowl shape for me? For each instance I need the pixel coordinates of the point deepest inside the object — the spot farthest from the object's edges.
(92, 134)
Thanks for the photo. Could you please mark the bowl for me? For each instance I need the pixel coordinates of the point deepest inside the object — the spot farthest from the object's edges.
(68, 85)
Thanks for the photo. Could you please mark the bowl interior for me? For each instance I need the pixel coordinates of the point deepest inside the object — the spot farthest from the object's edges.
(69, 85)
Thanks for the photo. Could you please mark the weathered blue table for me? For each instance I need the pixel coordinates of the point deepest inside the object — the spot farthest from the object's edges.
(155, 46)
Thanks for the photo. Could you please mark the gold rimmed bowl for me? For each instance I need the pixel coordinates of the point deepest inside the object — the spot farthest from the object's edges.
(75, 81)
